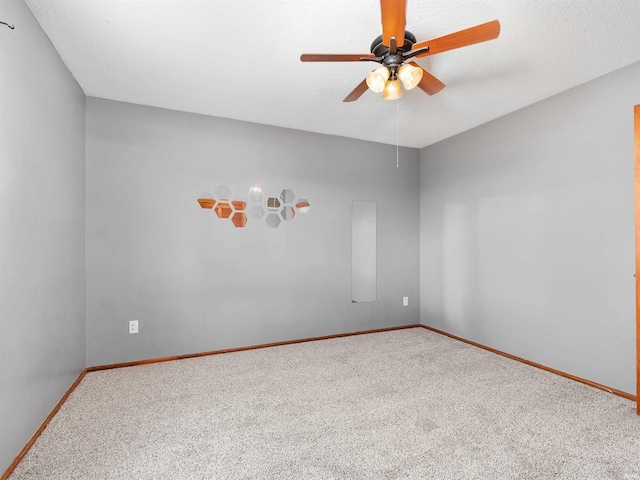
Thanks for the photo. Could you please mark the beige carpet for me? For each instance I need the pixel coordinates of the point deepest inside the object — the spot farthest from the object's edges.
(407, 404)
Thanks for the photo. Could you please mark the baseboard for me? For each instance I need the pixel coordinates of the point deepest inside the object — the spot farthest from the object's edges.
(241, 349)
(33, 439)
(35, 436)
(599, 386)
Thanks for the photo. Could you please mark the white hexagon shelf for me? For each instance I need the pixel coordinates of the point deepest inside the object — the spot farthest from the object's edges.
(288, 213)
(272, 220)
(255, 211)
(287, 197)
(256, 195)
(223, 192)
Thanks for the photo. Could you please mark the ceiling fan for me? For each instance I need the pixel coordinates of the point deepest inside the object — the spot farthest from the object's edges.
(396, 46)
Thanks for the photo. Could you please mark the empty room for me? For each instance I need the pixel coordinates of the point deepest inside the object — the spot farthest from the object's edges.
(270, 239)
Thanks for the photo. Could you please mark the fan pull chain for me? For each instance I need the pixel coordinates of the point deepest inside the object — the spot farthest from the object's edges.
(397, 141)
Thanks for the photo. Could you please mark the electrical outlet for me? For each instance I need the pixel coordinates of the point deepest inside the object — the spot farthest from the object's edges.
(133, 326)
(405, 301)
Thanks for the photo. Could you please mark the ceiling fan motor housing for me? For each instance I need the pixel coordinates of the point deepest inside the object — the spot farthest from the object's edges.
(380, 50)
(392, 61)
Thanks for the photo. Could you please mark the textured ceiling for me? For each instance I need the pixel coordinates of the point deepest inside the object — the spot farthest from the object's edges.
(240, 58)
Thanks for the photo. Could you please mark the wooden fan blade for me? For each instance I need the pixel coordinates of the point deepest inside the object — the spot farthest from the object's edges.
(394, 19)
(470, 36)
(357, 92)
(429, 84)
(333, 57)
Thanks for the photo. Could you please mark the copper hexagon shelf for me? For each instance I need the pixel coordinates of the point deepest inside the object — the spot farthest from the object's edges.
(239, 219)
(206, 200)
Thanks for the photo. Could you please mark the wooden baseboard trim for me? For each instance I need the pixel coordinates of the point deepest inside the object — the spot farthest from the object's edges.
(599, 386)
(35, 436)
(33, 439)
(241, 349)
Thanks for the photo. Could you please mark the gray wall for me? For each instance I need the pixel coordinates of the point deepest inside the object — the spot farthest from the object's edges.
(196, 283)
(527, 232)
(42, 242)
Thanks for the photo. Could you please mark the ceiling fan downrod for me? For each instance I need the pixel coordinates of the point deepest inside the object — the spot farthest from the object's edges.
(394, 56)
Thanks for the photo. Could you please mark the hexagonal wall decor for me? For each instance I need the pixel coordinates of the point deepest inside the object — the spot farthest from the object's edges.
(255, 206)
(256, 195)
(239, 219)
(288, 213)
(272, 220)
(287, 196)
(223, 210)
(303, 205)
(223, 192)
(206, 200)
(255, 211)
(273, 203)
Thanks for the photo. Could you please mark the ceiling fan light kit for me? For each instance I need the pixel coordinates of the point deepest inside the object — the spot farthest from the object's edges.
(410, 76)
(392, 90)
(377, 79)
(382, 79)
(396, 46)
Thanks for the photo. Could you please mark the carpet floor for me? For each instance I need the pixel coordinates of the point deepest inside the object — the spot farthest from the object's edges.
(405, 404)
